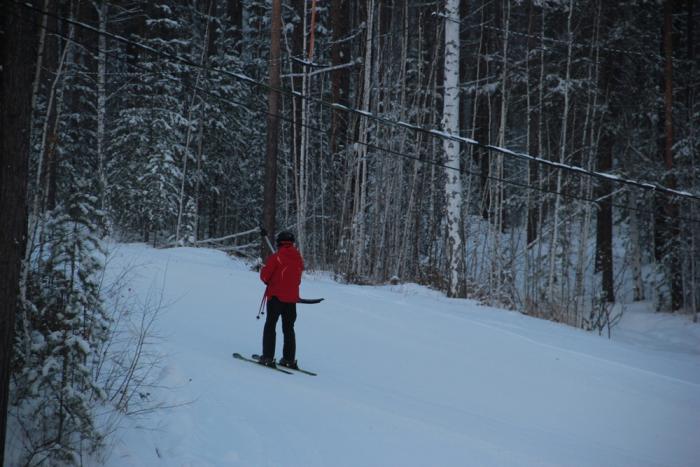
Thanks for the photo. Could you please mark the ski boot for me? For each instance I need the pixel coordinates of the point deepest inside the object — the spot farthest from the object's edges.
(292, 364)
(267, 361)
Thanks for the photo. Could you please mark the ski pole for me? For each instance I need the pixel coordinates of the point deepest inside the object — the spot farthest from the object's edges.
(263, 232)
(261, 310)
(262, 305)
(269, 244)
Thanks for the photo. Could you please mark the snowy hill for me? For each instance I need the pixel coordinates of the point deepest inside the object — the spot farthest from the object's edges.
(407, 377)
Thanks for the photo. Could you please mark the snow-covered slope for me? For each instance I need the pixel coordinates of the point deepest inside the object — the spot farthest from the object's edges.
(407, 377)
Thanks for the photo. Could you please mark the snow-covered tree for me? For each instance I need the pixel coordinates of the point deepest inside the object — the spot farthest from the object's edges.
(55, 392)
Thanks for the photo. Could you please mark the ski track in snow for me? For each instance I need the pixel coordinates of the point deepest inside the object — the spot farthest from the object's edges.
(407, 377)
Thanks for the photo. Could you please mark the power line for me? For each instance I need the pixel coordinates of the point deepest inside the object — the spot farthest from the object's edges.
(432, 132)
(386, 121)
(382, 150)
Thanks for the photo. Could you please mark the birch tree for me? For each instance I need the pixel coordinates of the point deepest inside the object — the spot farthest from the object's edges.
(450, 124)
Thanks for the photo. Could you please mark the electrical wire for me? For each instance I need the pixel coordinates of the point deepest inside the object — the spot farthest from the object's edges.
(236, 103)
(383, 120)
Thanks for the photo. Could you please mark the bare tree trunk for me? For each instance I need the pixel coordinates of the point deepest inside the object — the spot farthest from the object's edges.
(668, 84)
(481, 112)
(294, 49)
(340, 88)
(413, 211)
(690, 104)
(340, 83)
(562, 155)
(102, 11)
(270, 194)
(402, 217)
(671, 208)
(46, 146)
(197, 181)
(537, 262)
(301, 173)
(190, 114)
(16, 104)
(535, 199)
(360, 190)
(533, 117)
(604, 224)
(497, 196)
(234, 10)
(39, 63)
(636, 253)
(588, 139)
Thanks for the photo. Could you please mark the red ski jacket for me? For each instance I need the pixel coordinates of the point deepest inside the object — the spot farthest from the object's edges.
(282, 273)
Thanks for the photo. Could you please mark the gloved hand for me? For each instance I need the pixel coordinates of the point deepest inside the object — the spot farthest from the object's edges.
(263, 232)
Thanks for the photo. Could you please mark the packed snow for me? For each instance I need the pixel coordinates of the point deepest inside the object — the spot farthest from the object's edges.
(407, 377)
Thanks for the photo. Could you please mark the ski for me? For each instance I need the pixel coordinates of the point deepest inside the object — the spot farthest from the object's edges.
(241, 357)
(306, 372)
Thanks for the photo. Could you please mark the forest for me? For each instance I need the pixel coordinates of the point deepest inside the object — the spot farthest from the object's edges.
(536, 155)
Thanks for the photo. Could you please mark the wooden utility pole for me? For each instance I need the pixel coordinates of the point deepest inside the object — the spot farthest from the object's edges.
(270, 194)
(15, 102)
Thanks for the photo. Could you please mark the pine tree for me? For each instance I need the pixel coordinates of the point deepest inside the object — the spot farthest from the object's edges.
(55, 390)
(149, 132)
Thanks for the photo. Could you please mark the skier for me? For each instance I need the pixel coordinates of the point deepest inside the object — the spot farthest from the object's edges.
(282, 275)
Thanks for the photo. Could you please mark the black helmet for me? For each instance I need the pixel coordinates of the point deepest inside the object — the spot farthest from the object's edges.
(285, 236)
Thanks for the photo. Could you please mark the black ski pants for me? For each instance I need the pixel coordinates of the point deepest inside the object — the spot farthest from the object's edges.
(288, 311)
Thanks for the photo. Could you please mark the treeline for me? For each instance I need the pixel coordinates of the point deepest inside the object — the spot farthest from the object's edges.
(149, 122)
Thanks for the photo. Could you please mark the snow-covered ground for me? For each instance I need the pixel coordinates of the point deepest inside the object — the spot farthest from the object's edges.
(407, 377)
